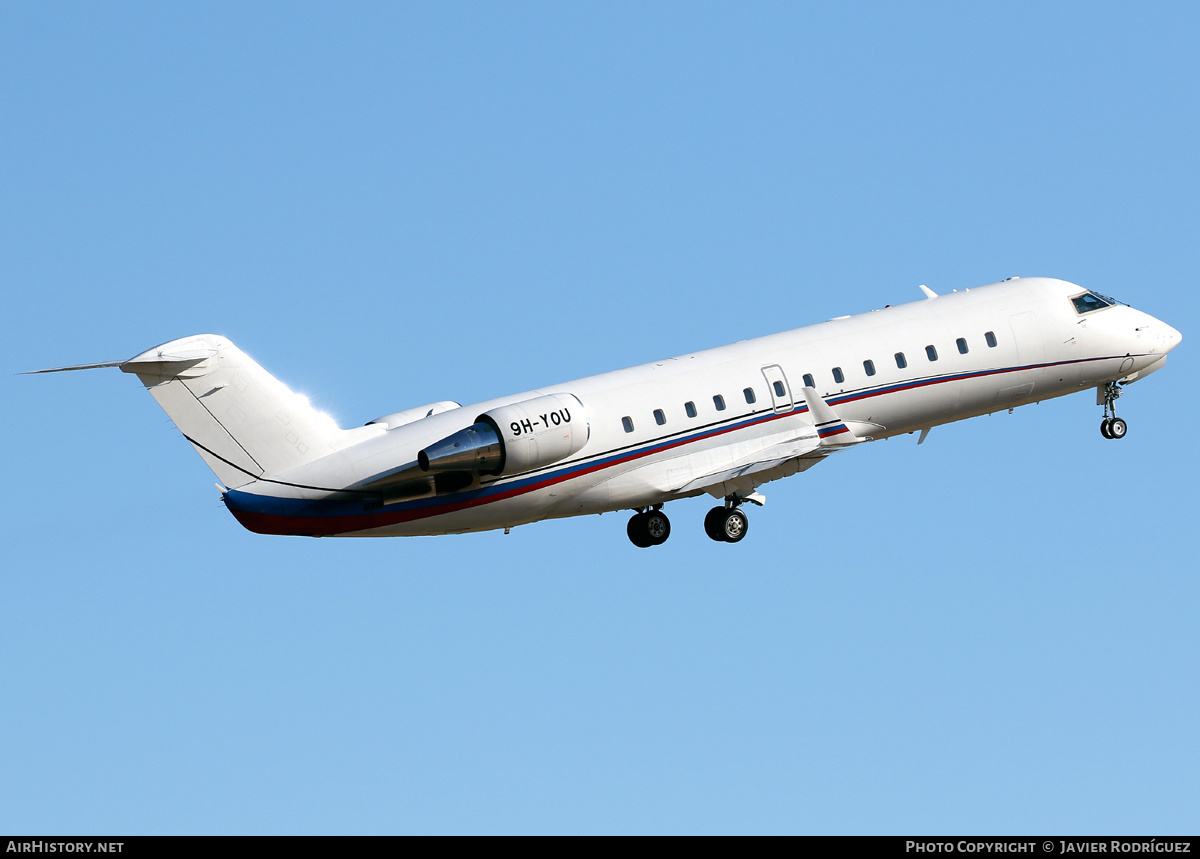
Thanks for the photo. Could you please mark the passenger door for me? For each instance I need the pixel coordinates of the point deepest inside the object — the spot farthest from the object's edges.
(780, 390)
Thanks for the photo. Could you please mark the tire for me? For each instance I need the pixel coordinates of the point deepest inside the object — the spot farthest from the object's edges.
(734, 525)
(636, 529)
(714, 522)
(657, 527)
(1117, 428)
(1104, 428)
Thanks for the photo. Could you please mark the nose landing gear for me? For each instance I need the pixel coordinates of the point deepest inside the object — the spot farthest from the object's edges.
(1112, 426)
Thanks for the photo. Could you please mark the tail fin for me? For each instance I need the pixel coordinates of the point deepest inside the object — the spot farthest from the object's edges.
(243, 421)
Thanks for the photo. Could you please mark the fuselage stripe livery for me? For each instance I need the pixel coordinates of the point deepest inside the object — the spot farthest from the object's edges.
(301, 519)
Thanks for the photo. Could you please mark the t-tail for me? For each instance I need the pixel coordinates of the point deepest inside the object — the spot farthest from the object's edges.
(243, 422)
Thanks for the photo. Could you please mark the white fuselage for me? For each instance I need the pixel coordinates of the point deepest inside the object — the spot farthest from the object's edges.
(963, 354)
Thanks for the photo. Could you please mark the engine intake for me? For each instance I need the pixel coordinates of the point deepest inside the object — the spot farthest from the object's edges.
(514, 438)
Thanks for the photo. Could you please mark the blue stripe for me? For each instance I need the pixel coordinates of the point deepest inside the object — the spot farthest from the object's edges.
(274, 505)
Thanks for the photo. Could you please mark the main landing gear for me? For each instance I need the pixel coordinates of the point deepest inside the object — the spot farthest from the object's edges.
(1112, 427)
(649, 528)
(726, 524)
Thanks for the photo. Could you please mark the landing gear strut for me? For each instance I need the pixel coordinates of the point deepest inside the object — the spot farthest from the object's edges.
(649, 528)
(1112, 427)
(726, 524)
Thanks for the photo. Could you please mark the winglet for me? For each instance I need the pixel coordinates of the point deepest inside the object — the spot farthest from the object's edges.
(929, 293)
(831, 429)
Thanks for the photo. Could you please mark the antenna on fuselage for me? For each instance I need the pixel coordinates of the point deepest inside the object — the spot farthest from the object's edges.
(929, 293)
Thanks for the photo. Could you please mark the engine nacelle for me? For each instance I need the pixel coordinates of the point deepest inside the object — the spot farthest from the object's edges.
(511, 439)
(399, 419)
(538, 432)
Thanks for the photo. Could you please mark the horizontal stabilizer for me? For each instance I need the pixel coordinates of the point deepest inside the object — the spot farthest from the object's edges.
(72, 367)
(188, 358)
(159, 362)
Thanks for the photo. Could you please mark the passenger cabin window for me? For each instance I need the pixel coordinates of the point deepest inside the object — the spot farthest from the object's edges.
(931, 351)
(627, 422)
(1090, 301)
(778, 386)
(869, 366)
(901, 361)
(690, 408)
(808, 381)
(962, 345)
(719, 402)
(991, 339)
(659, 417)
(749, 394)
(838, 375)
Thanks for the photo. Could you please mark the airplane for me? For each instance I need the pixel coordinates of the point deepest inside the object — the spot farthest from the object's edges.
(721, 422)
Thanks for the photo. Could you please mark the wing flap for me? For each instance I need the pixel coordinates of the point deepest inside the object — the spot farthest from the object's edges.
(766, 459)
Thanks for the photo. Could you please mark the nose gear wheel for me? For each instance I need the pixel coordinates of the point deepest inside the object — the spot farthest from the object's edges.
(1112, 426)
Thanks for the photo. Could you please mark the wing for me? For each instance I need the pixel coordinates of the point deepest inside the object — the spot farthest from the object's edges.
(773, 457)
(827, 434)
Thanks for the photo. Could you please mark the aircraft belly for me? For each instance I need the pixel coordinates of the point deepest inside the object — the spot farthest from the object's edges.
(499, 514)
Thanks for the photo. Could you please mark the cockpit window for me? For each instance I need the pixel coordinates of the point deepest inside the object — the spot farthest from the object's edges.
(1090, 301)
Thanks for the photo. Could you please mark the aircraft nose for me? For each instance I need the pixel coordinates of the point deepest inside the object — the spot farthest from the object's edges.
(1156, 336)
(1168, 337)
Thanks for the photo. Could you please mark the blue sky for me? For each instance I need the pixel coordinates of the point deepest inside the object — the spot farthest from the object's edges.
(388, 205)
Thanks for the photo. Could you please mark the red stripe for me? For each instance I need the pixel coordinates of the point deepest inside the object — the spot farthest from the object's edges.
(325, 526)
